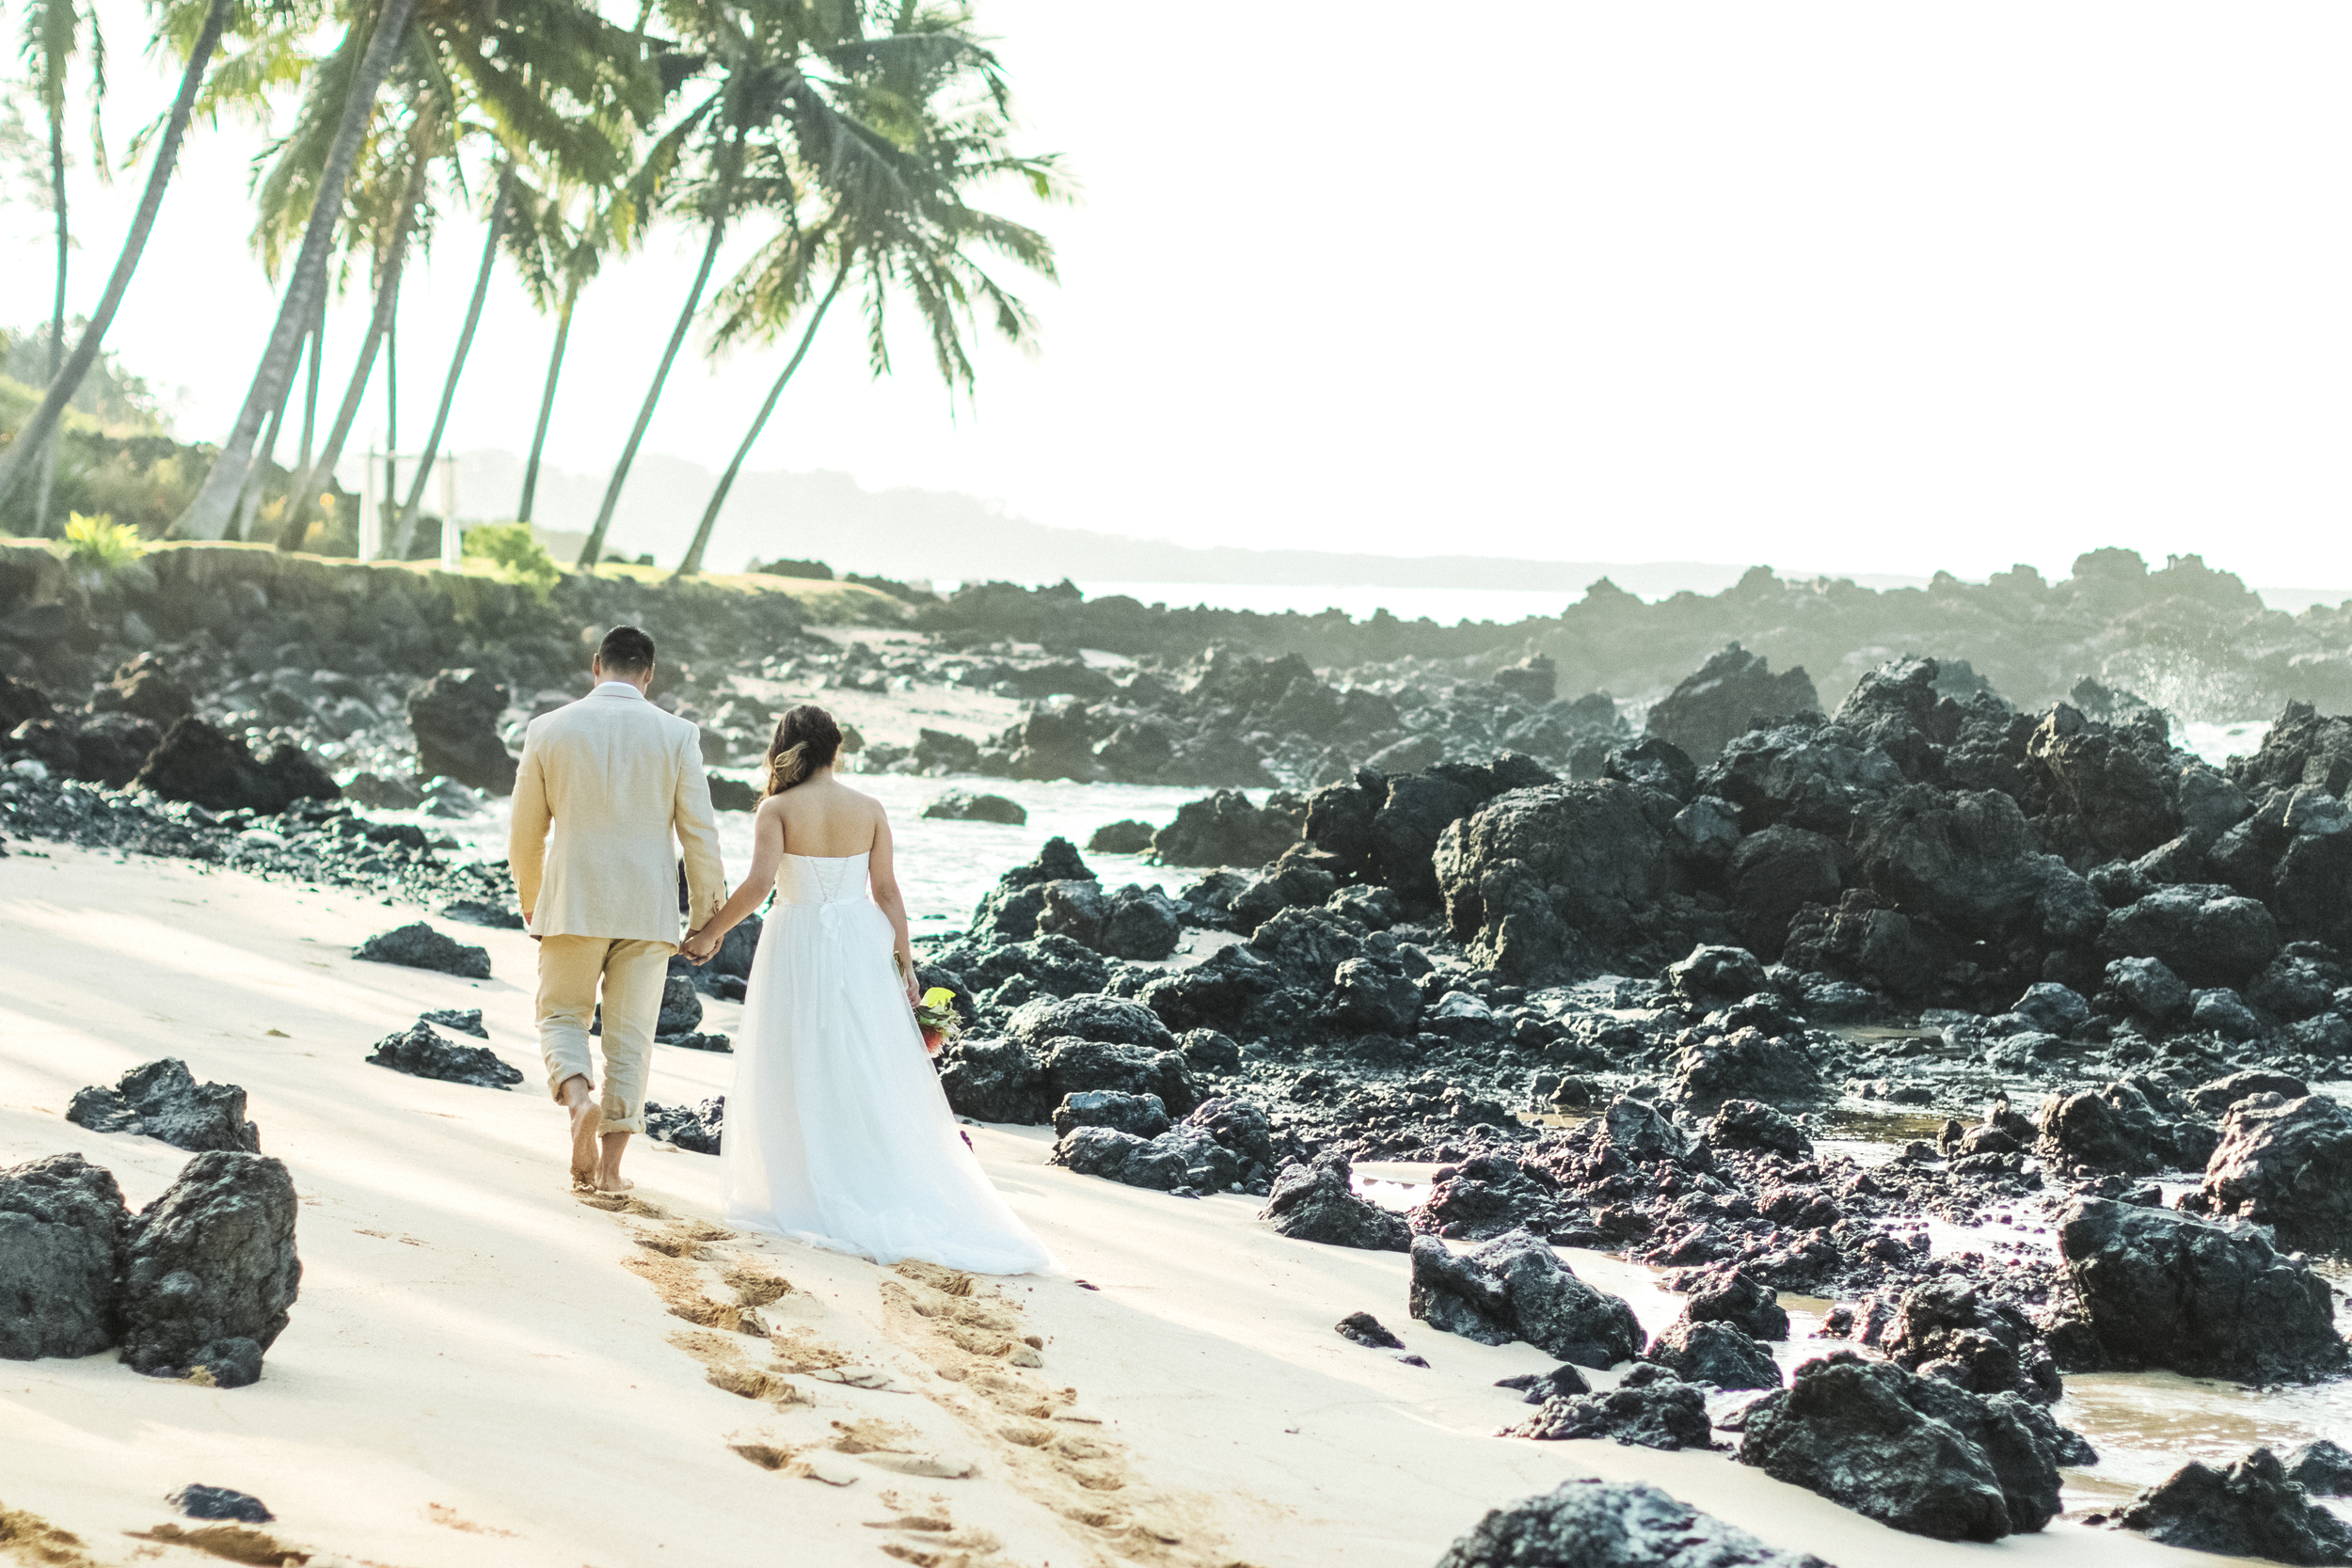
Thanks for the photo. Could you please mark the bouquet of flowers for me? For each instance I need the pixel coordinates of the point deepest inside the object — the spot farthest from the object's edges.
(935, 1015)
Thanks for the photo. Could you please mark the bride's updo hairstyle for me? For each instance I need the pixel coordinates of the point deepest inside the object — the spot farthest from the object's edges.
(806, 739)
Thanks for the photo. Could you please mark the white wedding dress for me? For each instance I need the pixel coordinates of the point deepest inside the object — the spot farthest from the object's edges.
(837, 1132)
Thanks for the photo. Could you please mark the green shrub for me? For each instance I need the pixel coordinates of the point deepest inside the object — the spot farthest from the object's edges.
(516, 552)
(100, 542)
(781, 568)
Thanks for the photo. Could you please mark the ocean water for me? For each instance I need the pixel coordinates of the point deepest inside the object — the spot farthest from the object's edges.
(1445, 606)
(944, 867)
(2218, 742)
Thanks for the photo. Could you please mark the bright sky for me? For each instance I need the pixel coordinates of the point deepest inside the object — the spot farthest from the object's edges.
(1866, 287)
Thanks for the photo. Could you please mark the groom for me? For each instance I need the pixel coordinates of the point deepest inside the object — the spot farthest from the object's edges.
(615, 776)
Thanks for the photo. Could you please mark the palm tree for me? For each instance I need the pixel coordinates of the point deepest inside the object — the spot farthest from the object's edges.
(571, 101)
(543, 81)
(208, 513)
(389, 194)
(902, 156)
(698, 165)
(54, 32)
(713, 200)
(502, 202)
(38, 430)
(557, 260)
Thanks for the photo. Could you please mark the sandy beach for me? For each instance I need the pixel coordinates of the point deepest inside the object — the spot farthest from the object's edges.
(483, 1368)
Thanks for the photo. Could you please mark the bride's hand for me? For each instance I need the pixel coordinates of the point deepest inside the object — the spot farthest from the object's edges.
(699, 947)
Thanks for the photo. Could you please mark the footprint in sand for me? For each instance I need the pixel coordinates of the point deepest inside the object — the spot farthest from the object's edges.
(973, 1337)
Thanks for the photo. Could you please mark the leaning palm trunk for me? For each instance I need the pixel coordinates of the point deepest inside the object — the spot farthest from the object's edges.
(38, 431)
(257, 475)
(56, 316)
(310, 385)
(304, 494)
(594, 547)
(407, 529)
(693, 561)
(207, 516)
(546, 400)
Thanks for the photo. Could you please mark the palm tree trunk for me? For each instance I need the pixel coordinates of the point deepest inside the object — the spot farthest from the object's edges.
(693, 561)
(594, 547)
(37, 430)
(207, 516)
(457, 364)
(56, 317)
(298, 522)
(310, 385)
(257, 475)
(546, 400)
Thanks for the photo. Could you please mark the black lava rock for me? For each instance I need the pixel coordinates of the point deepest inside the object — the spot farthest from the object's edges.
(2320, 1468)
(681, 1008)
(1072, 1066)
(1314, 1203)
(210, 1263)
(696, 1129)
(1950, 1328)
(1561, 1382)
(1724, 1294)
(1720, 1353)
(196, 762)
(1226, 830)
(2160, 1288)
(1751, 1125)
(1367, 1331)
(1516, 1287)
(1139, 1116)
(1611, 1524)
(1122, 1157)
(1722, 697)
(1909, 1451)
(420, 947)
(219, 1502)
(995, 1080)
(63, 1229)
(1124, 837)
(961, 805)
(455, 717)
(422, 1053)
(2288, 1165)
(2246, 1509)
(161, 1100)
(463, 1020)
(1653, 1410)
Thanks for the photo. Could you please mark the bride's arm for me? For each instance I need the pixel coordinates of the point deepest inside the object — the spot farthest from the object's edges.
(883, 872)
(766, 854)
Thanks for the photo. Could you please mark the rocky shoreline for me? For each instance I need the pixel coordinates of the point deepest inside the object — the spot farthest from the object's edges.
(1615, 992)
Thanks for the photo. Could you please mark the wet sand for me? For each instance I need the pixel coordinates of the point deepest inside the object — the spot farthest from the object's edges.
(484, 1369)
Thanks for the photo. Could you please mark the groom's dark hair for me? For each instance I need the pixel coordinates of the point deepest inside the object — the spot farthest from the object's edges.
(625, 650)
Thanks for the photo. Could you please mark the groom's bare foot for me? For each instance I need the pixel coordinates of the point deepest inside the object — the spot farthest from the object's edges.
(587, 1130)
(607, 1176)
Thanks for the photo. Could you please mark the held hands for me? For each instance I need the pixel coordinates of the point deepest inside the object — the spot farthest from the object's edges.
(701, 946)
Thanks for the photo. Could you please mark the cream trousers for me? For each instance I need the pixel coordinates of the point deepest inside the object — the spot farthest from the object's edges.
(632, 973)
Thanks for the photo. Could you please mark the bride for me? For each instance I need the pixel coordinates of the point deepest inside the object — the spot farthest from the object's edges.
(837, 1132)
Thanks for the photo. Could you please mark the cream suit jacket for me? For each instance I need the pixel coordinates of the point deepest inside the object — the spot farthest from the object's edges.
(615, 778)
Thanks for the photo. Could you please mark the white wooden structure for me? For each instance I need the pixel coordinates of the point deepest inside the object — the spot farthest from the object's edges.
(386, 467)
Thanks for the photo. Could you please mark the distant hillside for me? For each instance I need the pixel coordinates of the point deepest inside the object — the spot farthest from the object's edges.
(945, 535)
